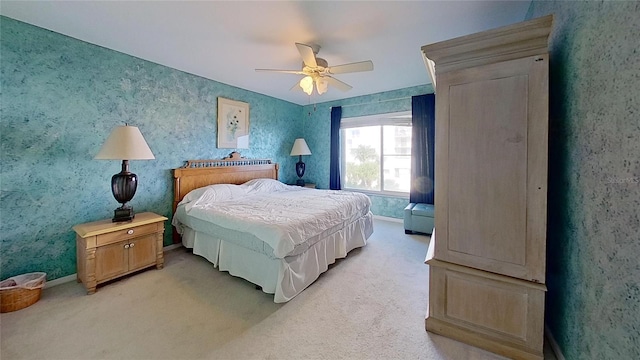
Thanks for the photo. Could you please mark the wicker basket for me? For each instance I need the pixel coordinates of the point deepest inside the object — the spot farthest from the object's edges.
(21, 291)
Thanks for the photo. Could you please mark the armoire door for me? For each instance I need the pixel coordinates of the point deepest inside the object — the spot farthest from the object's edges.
(491, 167)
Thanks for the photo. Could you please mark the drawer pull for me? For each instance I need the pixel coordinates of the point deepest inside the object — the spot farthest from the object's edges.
(126, 246)
(131, 245)
(130, 231)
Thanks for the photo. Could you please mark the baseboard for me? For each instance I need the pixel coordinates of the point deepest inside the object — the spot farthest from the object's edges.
(72, 277)
(553, 344)
(59, 281)
(386, 218)
(171, 247)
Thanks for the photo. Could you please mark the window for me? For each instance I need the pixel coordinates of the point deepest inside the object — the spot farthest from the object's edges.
(376, 153)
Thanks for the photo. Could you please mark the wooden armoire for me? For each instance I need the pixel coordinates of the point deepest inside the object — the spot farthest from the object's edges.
(487, 254)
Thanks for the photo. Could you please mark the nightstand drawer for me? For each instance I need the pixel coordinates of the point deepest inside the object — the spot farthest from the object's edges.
(126, 234)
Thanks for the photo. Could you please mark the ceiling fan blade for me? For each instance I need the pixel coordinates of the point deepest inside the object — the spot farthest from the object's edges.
(337, 83)
(308, 57)
(349, 68)
(298, 72)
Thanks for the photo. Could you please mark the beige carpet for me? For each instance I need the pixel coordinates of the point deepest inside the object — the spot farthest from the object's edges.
(370, 305)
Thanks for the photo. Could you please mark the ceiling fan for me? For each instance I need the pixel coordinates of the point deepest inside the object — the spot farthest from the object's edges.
(318, 71)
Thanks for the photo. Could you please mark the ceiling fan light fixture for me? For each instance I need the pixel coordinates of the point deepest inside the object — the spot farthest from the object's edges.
(321, 85)
(317, 71)
(306, 83)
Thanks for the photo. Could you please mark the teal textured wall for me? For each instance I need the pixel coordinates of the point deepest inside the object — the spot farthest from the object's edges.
(60, 100)
(61, 97)
(317, 132)
(593, 272)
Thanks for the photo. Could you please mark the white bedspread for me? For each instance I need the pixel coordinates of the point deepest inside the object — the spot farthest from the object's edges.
(284, 218)
(276, 236)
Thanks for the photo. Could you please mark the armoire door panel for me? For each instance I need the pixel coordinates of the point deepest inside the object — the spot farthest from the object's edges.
(487, 198)
(488, 207)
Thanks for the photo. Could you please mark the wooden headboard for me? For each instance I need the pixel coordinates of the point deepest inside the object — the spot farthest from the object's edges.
(231, 170)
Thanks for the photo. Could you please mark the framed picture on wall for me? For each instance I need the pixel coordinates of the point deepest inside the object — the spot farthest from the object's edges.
(233, 124)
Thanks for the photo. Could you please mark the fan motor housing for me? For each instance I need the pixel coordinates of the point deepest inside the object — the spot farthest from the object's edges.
(322, 63)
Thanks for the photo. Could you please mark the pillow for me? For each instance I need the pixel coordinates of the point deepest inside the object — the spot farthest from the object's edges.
(212, 193)
(220, 192)
(264, 185)
(194, 194)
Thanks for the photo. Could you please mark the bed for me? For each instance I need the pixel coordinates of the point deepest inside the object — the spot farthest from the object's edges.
(235, 213)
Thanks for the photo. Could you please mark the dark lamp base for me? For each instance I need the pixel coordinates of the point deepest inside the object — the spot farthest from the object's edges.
(123, 214)
(300, 171)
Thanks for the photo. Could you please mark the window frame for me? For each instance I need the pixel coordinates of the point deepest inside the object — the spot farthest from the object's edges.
(400, 118)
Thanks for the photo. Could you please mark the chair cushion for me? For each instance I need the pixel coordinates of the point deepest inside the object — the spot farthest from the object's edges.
(423, 210)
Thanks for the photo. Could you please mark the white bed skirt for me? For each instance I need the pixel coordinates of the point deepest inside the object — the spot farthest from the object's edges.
(285, 278)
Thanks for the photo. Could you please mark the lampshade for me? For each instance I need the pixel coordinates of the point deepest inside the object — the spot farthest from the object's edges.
(321, 85)
(300, 148)
(125, 143)
(306, 83)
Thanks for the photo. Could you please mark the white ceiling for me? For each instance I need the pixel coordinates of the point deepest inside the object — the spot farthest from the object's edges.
(226, 41)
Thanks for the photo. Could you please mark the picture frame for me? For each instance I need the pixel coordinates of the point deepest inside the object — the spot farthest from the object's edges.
(233, 124)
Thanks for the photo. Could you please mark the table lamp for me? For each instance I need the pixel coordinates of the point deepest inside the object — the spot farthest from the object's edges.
(125, 143)
(300, 148)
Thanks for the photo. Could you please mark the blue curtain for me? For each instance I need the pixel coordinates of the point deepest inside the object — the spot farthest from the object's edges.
(334, 166)
(422, 148)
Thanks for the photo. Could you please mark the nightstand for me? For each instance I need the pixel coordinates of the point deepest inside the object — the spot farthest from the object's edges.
(107, 250)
